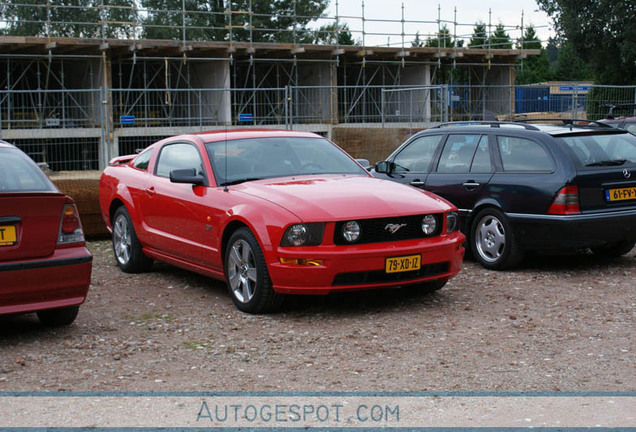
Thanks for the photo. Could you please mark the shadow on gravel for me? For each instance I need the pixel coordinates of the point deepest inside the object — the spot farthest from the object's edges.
(12, 326)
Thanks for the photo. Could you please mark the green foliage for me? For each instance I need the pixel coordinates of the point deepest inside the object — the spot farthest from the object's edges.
(602, 34)
(570, 67)
(332, 35)
(533, 69)
(443, 39)
(70, 18)
(479, 38)
(500, 39)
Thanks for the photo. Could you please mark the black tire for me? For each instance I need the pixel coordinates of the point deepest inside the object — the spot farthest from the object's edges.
(614, 250)
(58, 317)
(492, 241)
(431, 287)
(246, 275)
(126, 247)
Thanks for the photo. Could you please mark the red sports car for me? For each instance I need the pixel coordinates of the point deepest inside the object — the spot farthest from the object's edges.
(44, 264)
(273, 213)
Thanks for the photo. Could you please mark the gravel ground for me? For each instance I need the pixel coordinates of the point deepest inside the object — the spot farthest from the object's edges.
(556, 324)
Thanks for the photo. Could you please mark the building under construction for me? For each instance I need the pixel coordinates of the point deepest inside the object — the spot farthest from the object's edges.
(74, 103)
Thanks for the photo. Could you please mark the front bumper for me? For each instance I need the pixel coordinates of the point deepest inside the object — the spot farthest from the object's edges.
(350, 268)
(556, 232)
(60, 280)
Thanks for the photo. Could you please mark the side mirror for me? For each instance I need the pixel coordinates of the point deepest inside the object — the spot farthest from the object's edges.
(384, 167)
(186, 176)
(365, 163)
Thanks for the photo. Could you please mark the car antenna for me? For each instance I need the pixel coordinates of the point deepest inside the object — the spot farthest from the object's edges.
(225, 189)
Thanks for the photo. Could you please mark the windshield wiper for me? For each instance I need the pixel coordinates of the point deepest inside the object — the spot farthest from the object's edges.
(607, 163)
(238, 181)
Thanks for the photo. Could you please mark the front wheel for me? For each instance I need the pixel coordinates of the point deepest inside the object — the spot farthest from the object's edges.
(492, 241)
(128, 251)
(247, 276)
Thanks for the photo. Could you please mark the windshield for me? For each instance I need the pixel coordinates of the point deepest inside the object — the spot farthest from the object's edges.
(603, 149)
(18, 173)
(236, 161)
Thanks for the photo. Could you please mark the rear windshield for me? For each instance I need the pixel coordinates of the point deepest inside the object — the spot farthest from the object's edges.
(18, 173)
(603, 149)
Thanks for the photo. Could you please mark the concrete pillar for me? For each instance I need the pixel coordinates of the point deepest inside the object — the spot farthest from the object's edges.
(499, 81)
(216, 101)
(411, 105)
(315, 104)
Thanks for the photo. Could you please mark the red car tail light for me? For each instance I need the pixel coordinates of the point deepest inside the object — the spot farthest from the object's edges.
(566, 202)
(70, 225)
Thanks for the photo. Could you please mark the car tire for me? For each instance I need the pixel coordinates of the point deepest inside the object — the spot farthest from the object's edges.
(247, 276)
(433, 286)
(492, 241)
(58, 317)
(126, 247)
(615, 250)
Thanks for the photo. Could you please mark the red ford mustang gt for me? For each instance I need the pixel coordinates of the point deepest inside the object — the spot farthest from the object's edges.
(273, 213)
(44, 264)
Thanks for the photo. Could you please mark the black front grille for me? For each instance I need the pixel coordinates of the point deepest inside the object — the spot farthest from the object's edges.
(380, 276)
(378, 230)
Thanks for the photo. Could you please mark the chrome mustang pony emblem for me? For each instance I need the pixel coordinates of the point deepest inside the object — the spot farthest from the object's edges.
(393, 228)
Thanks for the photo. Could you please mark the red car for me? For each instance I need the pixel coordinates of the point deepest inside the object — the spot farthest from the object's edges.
(272, 213)
(44, 264)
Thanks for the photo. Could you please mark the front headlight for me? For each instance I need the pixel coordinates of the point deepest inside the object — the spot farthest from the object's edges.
(429, 224)
(351, 231)
(303, 235)
(452, 222)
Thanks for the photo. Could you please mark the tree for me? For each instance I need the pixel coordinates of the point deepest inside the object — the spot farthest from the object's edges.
(570, 67)
(602, 33)
(443, 39)
(479, 38)
(500, 39)
(417, 42)
(533, 69)
(327, 35)
(70, 18)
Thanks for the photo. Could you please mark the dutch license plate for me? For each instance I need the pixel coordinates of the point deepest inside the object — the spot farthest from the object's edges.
(403, 263)
(7, 235)
(620, 194)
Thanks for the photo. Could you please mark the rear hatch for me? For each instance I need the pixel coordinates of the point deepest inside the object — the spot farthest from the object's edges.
(29, 224)
(605, 169)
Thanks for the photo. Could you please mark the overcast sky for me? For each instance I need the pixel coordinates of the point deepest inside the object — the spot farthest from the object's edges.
(425, 12)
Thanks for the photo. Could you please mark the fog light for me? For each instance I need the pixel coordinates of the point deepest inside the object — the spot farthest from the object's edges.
(351, 231)
(300, 261)
(429, 224)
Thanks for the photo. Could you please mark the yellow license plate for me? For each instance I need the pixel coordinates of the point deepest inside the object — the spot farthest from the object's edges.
(620, 194)
(403, 263)
(7, 235)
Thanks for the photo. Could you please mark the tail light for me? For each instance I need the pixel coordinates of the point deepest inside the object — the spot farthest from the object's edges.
(70, 225)
(566, 202)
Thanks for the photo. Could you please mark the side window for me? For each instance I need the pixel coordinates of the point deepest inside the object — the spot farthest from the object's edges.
(458, 154)
(417, 156)
(481, 160)
(142, 161)
(520, 154)
(178, 156)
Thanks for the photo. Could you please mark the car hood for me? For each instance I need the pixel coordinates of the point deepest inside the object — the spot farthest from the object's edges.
(341, 197)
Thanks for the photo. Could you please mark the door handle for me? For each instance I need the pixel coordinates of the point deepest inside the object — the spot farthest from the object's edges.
(151, 191)
(471, 184)
(417, 182)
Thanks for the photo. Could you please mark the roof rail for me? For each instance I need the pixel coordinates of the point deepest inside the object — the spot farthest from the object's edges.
(612, 107)
(567, 122)
(490, 123)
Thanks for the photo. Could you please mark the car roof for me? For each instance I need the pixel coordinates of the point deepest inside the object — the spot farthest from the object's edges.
(549, 126)
(4, 144)
(234, 134)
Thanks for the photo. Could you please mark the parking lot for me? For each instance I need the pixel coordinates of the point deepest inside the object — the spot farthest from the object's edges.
(554, 324)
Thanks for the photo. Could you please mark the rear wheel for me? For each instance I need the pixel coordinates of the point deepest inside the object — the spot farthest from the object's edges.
(247, 276)
(58, 317)
(492, 241)
(615, 249)
(128, 252)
